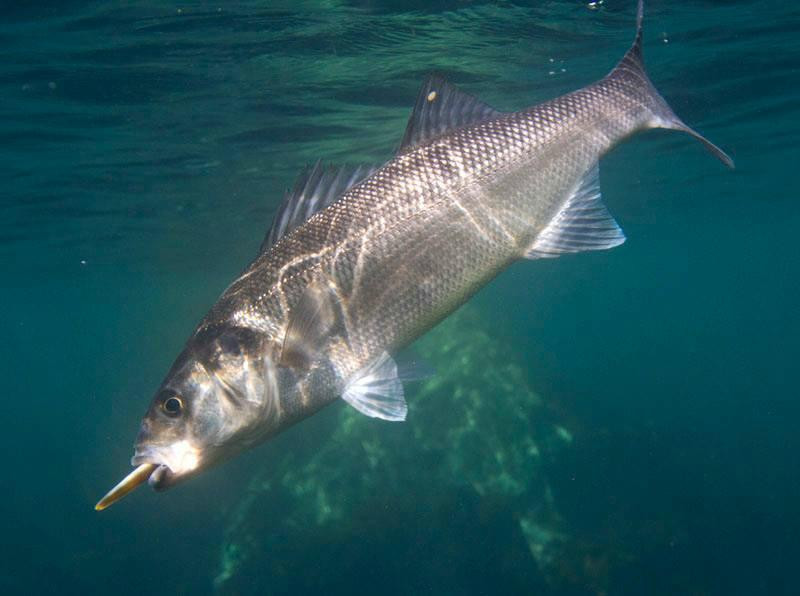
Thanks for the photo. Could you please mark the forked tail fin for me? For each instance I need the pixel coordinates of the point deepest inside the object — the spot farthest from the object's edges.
(632, 67)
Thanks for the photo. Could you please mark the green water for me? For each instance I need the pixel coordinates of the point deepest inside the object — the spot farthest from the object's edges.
(610, 423)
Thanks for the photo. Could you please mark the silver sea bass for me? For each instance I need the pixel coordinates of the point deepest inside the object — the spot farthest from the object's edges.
(359, 263)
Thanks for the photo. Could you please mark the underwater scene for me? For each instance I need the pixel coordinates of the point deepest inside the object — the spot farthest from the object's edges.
(619, 420)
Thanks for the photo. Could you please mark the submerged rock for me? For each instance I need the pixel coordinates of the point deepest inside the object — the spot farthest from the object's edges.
(454, 497)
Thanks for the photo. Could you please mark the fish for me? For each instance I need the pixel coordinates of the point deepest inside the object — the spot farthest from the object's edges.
(361, 261)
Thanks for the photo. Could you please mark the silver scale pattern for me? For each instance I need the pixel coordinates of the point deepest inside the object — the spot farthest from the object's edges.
(409, 244)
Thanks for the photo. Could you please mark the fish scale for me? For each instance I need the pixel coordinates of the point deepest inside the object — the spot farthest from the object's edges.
(360, 262)
(474, 199)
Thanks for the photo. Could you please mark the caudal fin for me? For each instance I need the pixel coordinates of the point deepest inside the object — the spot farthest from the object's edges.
(632, 67)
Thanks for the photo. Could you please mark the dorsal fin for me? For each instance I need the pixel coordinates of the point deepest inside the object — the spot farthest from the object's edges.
(442, 107)
(316, 188)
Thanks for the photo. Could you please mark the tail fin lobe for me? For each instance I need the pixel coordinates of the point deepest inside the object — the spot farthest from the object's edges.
(631, 67)
(677, 124)
(634, 58)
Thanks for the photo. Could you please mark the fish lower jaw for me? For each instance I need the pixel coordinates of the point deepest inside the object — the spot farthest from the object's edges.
(161, 478)
(173, 461)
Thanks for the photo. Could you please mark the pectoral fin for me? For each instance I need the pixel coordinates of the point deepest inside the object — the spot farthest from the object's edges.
(312, 320)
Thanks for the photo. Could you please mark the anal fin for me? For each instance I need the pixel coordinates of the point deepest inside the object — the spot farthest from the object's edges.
(582, 224)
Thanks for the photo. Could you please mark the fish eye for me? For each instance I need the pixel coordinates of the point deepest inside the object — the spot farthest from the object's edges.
(172, 406)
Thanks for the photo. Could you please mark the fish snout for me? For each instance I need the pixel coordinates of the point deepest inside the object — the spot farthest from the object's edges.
(145, 434)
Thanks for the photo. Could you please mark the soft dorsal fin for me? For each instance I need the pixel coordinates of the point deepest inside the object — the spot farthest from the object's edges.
(312, 320)
(583, 223)
(315, 189)
(441, 107)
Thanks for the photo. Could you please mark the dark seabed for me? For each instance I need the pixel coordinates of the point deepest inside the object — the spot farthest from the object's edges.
(622, 422)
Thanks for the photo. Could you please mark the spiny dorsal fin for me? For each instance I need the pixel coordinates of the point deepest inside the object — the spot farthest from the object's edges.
(583, 224)
(442, 107)
(313, 319)
(315, 189)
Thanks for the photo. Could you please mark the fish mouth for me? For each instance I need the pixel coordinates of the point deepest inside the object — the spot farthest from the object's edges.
(161, 477)
(150, 467)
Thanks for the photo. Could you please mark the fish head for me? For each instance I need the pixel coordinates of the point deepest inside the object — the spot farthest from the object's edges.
(219, 398)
